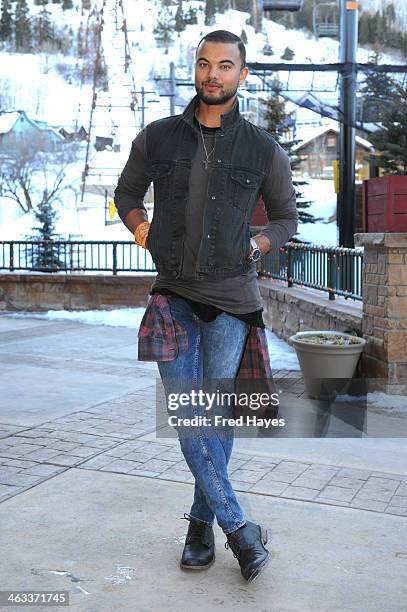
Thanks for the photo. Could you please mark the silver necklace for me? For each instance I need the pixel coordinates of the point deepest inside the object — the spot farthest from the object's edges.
(206, 161)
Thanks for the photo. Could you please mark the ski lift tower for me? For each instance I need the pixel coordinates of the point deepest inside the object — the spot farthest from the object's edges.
(348, 36)
(327, 23)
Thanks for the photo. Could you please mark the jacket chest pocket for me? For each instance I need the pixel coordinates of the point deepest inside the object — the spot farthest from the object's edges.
(244, 188)
(161, 171)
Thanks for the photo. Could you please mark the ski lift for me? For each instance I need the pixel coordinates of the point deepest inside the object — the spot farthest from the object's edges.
(325, 18)
(282, 5)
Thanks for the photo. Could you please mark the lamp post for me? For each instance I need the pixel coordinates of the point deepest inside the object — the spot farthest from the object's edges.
(348, 28)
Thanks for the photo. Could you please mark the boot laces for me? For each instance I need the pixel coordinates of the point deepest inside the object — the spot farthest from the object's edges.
(236, 550)
(195, 530)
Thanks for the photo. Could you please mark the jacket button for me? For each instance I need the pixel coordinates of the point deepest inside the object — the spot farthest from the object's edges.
(219, 161)
(213, 197)
(247, 180)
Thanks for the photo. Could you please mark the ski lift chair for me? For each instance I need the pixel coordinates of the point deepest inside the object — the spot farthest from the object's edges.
(282, 5)
(326, 19)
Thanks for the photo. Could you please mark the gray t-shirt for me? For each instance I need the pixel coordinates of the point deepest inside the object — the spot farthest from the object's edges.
(239, 294)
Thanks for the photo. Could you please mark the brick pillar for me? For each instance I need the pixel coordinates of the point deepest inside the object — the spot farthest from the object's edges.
(385, 308)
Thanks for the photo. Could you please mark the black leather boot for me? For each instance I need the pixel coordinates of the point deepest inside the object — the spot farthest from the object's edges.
(247, 545)
(199, 549)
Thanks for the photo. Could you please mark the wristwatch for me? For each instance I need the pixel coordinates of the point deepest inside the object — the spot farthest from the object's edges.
(255, 252)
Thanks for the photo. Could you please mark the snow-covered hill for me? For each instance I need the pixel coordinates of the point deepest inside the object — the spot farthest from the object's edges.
(35, 83)
(380, 5)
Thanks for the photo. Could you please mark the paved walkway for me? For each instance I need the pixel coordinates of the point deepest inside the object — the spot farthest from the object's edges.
(91, 494)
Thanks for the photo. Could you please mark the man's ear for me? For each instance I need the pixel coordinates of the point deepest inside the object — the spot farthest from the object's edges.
(243, 74)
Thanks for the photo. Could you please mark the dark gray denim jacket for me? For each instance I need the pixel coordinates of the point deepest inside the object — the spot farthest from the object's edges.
(243, 156)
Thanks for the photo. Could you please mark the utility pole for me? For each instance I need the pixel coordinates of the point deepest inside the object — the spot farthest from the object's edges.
(348, 36)
(172, 88)
(143, 105)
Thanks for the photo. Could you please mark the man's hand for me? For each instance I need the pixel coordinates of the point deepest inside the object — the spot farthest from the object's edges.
(263, 243)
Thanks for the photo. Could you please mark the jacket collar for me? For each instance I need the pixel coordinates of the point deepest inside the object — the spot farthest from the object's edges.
(228, 120)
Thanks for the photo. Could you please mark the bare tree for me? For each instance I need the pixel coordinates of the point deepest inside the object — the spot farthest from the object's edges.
(33, 176)
(6, 100)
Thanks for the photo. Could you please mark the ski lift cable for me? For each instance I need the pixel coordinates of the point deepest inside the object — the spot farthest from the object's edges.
(94, 95)
(101, 100)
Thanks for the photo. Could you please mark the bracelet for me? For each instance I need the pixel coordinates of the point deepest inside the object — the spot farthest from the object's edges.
(141, 233)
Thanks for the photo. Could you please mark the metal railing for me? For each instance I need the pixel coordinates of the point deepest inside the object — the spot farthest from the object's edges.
(333, 269)
(336, 270)
(74, 256)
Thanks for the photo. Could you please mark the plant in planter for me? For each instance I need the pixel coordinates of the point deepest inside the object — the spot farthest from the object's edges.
(328, 359)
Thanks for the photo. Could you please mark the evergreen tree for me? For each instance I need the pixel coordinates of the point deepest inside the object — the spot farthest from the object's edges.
(363, 29)
(190, 18)
(67, 4)
(6, 20)
(243, 36)
(45, 255)
(210, 10)
(377, 91)
(275, 120)
(390, 140)
(44, 30)
(288, 54)
(179, 19)
(164, 28)
(22, 27)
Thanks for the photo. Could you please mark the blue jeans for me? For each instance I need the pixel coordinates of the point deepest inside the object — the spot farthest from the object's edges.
(211, 362)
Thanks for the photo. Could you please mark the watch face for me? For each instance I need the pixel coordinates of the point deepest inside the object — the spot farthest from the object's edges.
(256, 255)
(255, 252)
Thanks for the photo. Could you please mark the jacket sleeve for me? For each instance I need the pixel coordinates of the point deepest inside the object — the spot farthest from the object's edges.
(134, 179)
(278, 193)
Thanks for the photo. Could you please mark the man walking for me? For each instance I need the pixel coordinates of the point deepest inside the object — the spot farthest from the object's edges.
(209, 166)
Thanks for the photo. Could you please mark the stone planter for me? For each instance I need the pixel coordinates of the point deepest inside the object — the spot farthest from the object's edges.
(328, 359)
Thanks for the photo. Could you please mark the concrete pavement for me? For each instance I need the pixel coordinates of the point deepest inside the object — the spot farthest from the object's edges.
(91, 498)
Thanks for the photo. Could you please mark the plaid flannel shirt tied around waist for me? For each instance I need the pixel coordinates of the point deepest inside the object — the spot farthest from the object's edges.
(162, 338)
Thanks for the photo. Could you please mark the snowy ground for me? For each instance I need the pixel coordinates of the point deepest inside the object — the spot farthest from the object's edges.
(323, 197)
(282, 356)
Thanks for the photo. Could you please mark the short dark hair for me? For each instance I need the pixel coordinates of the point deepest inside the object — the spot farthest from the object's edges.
(223, 36)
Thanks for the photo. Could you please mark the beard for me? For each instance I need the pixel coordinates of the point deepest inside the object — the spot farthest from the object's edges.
(227, 95)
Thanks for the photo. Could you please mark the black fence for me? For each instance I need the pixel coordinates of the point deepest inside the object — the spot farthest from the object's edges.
(335, 270)
(74, 256)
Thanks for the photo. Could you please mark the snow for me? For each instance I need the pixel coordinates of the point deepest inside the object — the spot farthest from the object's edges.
(282, 356)
(317, 132)
(380, 400)
(34, 85)
(322, 194)
(33, 82)
(7, 120)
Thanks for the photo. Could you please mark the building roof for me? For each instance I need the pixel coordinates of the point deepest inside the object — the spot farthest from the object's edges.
(8, 120)
(314, 133)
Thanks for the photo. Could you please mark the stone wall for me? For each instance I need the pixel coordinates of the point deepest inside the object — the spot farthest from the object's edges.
(381, 319)
(289, 310)
(35, 292)
(385, 307)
